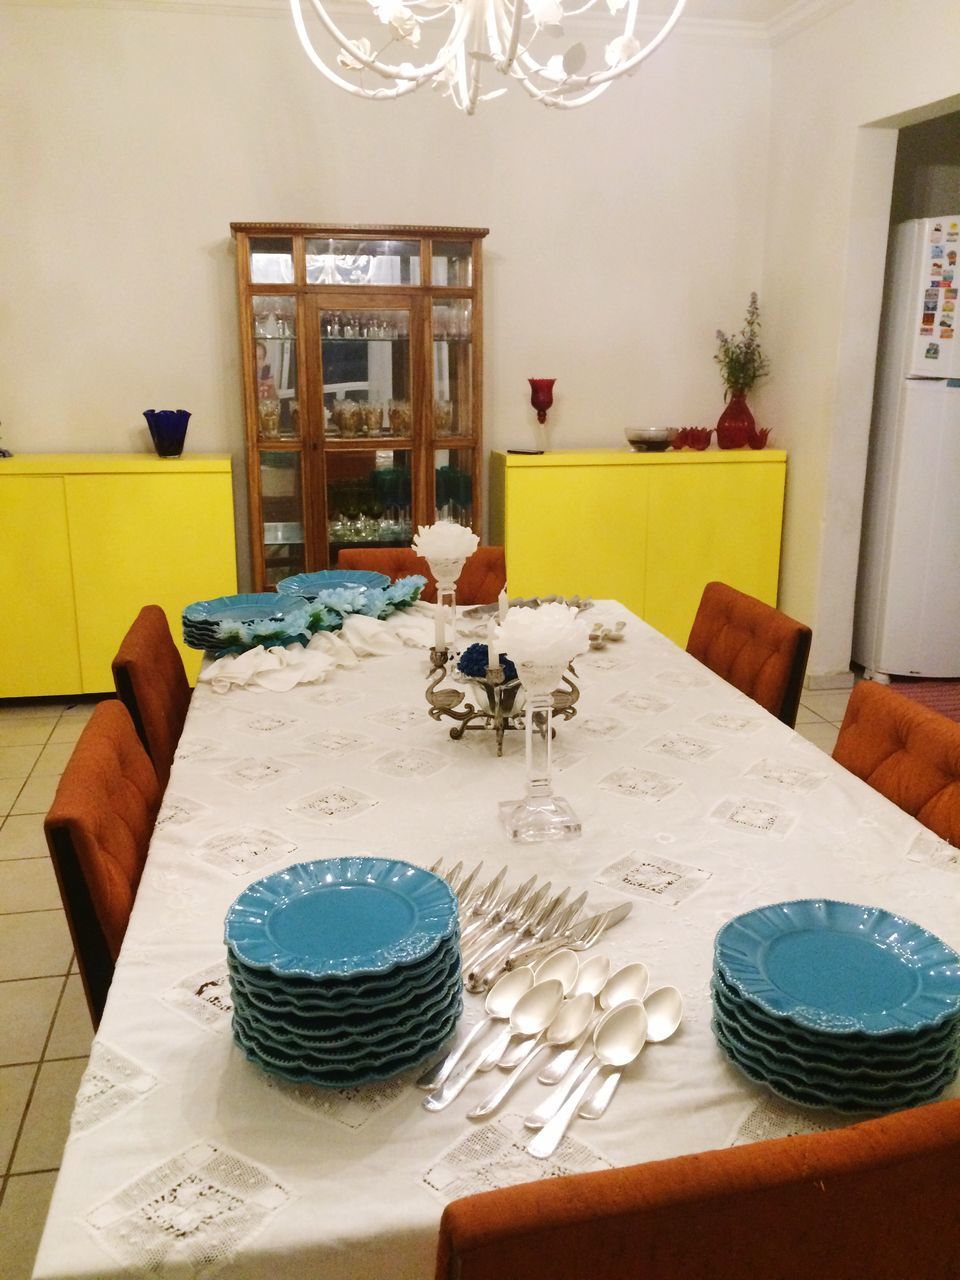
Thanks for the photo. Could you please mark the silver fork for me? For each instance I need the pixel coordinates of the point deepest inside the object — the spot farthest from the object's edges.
(490, 959)
(513, 907)
(482, 903)
(555, 921)
(495, 900)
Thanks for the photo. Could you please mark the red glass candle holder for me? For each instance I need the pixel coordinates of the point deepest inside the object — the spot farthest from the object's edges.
(541, 396)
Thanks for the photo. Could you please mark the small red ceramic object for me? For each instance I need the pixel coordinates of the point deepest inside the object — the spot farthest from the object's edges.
(699, 436)
(758, 437)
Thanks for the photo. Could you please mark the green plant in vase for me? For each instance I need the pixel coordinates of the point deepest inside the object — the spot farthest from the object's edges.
(742, 365)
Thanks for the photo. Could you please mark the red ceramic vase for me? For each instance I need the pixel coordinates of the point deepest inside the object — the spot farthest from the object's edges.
(736, 424)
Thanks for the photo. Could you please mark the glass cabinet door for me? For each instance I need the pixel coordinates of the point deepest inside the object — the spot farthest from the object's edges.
(452, 325)
(453, 485)
(369, 499)
(281, 503)
(275, 366)
(366, 370)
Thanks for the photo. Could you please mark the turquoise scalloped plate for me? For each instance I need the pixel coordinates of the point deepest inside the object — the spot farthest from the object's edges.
(848, 1103)
(839, 967)
(309, 584)
(341, 917)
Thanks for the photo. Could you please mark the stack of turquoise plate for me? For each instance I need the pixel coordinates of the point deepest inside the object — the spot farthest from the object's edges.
(345, 970)
(835, 1005)
(231, 624)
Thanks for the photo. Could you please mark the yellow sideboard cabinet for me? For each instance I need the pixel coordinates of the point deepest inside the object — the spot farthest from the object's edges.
(648, 529)
(86, 540)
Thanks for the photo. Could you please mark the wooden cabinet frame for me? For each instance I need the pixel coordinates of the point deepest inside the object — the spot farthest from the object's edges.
(312, 445)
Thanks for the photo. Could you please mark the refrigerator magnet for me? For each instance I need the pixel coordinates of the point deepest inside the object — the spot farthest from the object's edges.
(932, 352)
(936, 235)
(952, 232)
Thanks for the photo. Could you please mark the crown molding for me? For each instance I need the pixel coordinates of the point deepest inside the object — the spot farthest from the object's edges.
(800, 16)
(763, 32)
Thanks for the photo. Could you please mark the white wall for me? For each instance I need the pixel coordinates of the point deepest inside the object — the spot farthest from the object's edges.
(621, 236)
(841, 88)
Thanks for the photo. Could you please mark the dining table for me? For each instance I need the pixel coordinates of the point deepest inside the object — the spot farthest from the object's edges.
(186, 1159)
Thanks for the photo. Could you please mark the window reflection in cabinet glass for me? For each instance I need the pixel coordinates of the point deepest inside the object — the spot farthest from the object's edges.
(363, 262)
(453, 478)
(271, 260)
(369, 497)
(275, 363)
(452, 368)
(366, 373)
(452, 263)
(281, 501)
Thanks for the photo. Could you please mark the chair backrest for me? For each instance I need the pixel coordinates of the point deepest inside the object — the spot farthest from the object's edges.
(484, 575)
(753, 646)
(907, 752)
(152, 684)
(98, 830)
(867, 1200)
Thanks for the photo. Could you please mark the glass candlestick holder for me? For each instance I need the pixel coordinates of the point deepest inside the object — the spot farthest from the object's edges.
(540, 815)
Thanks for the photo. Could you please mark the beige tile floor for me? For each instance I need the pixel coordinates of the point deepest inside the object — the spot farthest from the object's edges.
(46, 1030)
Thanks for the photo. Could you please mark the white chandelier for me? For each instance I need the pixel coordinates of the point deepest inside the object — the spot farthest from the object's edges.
(469, 34)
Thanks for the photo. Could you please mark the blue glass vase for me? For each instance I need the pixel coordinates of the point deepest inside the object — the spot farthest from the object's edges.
(168, 430)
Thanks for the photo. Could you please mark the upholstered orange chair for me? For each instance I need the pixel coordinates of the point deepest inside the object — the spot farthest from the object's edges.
(484, 574)
(753, 646)
(907, 752)
(871, 1200)
(152, 684)
(98, 830)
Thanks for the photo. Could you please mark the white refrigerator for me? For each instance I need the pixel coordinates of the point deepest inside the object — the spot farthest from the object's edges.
(907, 619)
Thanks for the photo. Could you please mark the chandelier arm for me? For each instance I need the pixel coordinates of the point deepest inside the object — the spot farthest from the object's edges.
(514, 41)
(357, 90)
(548, 99)
(384, 69)
(533, 67)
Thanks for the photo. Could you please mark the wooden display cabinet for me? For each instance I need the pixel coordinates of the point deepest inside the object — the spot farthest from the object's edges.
(362, 368)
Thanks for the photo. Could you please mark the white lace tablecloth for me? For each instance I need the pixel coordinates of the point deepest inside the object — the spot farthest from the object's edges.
(186, 1160)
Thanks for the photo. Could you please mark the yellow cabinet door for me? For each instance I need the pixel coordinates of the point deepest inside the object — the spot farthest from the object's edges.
(719, 522)
(145, 539)
(39, 646)
(577, 531)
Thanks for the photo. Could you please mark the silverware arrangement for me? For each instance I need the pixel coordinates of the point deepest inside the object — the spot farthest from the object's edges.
(592, 1023)
(501, 928)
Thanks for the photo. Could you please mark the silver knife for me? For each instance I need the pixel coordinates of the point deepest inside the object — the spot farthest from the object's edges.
(613, 916)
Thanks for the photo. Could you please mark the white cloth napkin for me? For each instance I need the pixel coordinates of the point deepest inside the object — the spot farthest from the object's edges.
(276, 670)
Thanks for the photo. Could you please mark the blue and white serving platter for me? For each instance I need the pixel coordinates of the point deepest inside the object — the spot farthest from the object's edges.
(229, 623)
(840, 968)
(340, 918)
(310, 584)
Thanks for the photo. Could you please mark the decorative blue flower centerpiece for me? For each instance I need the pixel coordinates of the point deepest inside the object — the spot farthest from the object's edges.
(473, 663)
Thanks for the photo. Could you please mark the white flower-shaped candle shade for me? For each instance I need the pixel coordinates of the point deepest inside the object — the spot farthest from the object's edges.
(543, 642)
(445, 546)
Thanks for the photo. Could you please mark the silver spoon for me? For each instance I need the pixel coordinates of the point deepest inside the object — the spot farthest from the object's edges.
(572, 1016)
(664, 1012)
(532, 1013)
(619, 1037)
(499, 1004)
(629, 983)
(564, 966)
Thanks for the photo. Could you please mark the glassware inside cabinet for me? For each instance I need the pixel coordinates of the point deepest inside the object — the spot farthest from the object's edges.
(366, 373)
(369, 499)
(339, 261)
(275, 365)
(453, 480)
(452, 368)
(281, 504)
